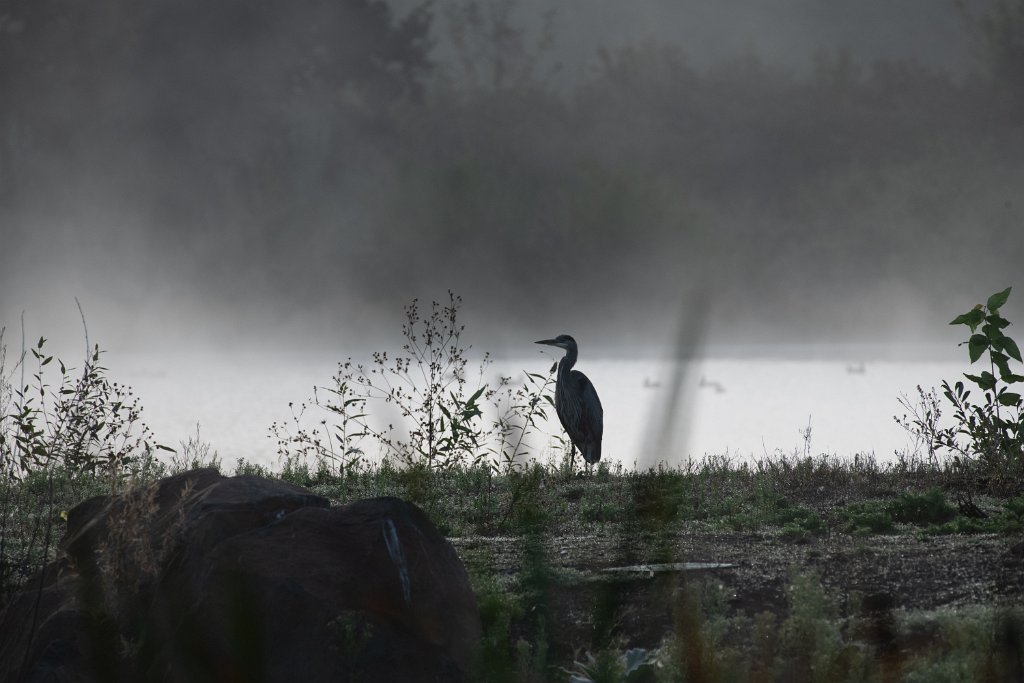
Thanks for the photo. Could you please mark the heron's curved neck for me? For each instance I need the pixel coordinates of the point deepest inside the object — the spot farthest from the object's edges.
(568, 360)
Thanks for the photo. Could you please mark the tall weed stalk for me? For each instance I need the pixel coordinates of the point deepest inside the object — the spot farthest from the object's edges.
(58, 435)
(437, 395)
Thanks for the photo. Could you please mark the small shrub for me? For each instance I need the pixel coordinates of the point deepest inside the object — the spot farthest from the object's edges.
(868, 518)
(1009, 520)
(61, 438)
(428, 381)
(989, 433)
(86, 422)
(194, 454)
(921, 509)
(244, 467)
(794, 533)
(795, 517)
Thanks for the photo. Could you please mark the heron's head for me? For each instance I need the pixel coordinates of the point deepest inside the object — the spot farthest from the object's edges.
(562, 341)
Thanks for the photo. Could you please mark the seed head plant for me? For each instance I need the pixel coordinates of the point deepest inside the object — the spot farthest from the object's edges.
(83, 423)
(438, 396)
(55, 433)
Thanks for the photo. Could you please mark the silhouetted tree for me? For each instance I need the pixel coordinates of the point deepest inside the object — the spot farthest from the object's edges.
(1001, 29)
(210, 82)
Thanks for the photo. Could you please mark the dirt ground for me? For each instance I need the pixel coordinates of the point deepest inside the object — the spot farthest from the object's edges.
(904, 572)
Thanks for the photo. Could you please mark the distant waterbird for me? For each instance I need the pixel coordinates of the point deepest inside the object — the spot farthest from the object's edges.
(576, 402)
(711, 384)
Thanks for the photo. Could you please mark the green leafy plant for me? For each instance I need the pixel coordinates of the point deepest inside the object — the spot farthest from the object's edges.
(867, 517)
(990, 432)
(519, 411)
(85, 422)
(60, 440)
(930, 507)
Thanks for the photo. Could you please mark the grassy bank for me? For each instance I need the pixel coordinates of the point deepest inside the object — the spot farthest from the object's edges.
(537, 539)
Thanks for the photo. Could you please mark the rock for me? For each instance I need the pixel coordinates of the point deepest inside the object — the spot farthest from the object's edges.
(202, 577)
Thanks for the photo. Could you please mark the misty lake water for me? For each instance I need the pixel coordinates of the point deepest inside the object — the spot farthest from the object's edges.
(740, 407)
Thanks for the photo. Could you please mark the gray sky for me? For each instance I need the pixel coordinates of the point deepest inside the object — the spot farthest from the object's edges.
(783, 32)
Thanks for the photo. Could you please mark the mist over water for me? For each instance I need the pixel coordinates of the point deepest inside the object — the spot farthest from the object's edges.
(745, 409)
(240, 194)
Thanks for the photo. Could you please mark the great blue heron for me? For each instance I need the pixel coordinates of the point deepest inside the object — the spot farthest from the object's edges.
(576, 402)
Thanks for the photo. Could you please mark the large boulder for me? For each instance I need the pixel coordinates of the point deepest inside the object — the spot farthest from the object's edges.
(201, 577)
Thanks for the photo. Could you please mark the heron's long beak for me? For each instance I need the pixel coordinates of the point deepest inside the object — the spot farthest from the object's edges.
(549, 342)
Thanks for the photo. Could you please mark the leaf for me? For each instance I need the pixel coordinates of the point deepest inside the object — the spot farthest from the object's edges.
(993, 332)
(986, 381)
(997, 320)
(976, 346)
(972, 318)
(1002, 362)
(996, 301)
(1008, 398)
(1010, 347)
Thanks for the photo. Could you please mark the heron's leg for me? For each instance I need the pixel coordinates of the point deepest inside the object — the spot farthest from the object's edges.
(572, 459)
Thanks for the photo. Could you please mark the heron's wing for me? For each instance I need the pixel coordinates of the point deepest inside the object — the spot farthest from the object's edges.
(591, 412)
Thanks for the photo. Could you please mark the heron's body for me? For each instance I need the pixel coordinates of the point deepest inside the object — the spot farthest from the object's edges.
(576, 402)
